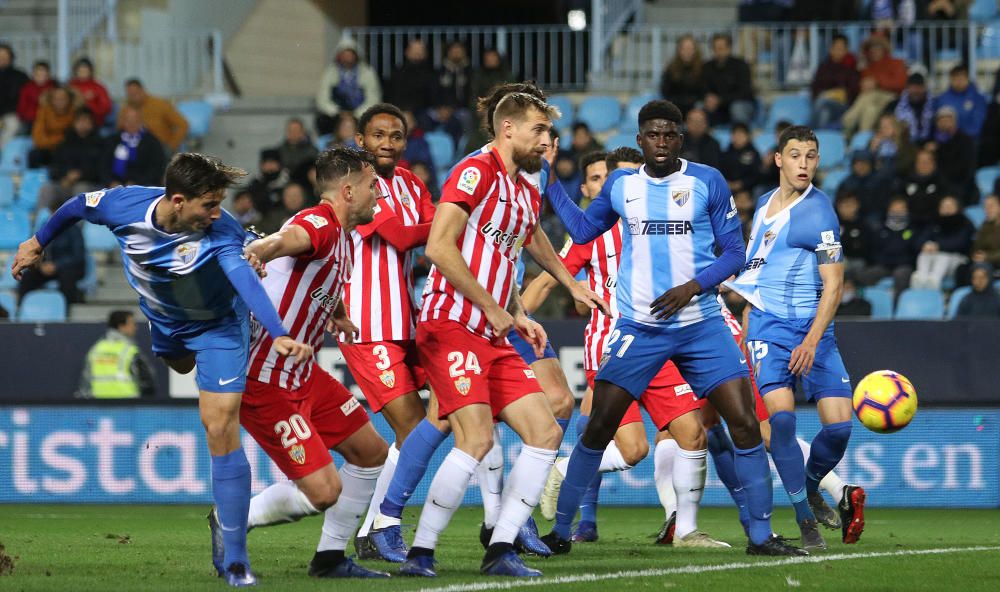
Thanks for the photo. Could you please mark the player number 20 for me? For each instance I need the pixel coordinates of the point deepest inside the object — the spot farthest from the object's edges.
(626, 341)
(295, 424)
(462, 363)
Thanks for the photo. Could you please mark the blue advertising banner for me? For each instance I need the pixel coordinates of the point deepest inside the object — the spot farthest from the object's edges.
(79, 454)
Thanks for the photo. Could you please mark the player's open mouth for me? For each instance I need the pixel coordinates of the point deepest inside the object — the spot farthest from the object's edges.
(661, 157)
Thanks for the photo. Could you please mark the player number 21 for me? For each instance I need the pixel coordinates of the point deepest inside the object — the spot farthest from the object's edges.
(625, 339)
(460, 363)
(295, 424)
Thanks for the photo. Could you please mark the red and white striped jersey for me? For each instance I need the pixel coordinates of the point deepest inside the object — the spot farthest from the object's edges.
(380, 296)
(600, 259)
(502, 217)
(304, 290)
(731, 321)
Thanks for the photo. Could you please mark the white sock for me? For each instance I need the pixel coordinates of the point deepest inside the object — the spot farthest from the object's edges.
(490, 473)
(523, 490)
(613, 460)
(444, 497)
(341, 519)
(663, 474)
(562, 464)
(689, 485)
(832, 483)
(280, 503)
(381, 486)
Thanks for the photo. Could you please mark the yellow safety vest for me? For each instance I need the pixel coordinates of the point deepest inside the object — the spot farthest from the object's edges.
(109, 361)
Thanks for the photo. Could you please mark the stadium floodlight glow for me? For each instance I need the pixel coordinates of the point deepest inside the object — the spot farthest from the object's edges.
(577, 20)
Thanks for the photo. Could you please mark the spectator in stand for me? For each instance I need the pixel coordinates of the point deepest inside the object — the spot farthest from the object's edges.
(114, 367)
(683, 80)
(133, 156)
(882, 79)
(75, 163)
(583, 141)
(890, 144)
(964, 97)
(986, 247)
(740, 163)
(983, 301)
(297, 151)
(159, 116)
(916, 108)
(956, 154)
(855, 234)
(745, 208)
(93, 93)
(11, 81)
(55, 115)
(493, 71)
(27, 101)
(348, 84)
(266, 186)
(449, 110)
(852, 304)
(894, 251)
(769, 171)
(64, 261)
(989, 138)
(426, 174)
(241, 207)
(835, 84)
(944, 246)
(729, 85)
(699, 145)
(871, 188)
(293, 199)
(417, 148)
(411, 85)
(924, 187)
(344, 131)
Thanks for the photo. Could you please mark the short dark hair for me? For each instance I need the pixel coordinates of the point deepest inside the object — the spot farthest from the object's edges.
(959, 69)
(622, 154)
(660, 109)
(83, 112)
(839, 37)
(739, 125)
(579, 125)
(381, 109)
(518, 104)
(797, 132)
(41, 64)
(590, 158)
(134, 82)
(338, 162)
(193, 175)
(84, 61)
(117, 318)
(724, 36)
(9, 49)
(487, 105)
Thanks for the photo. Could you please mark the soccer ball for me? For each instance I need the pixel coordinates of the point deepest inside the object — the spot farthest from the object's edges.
(885, 401)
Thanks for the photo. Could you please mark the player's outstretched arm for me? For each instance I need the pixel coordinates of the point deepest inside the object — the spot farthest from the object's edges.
(292, 240)
(29, 253)
(442, 250)
(537, 291)
(584, 225)
(804, 354)
(541, 250)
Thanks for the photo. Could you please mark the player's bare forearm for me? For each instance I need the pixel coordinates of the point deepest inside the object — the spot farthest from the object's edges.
(537, 292)
(29, 253)
(290, 241)
(442, 250)
(833, 287)
(542, 252)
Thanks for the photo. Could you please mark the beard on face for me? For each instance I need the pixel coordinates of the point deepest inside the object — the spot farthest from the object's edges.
(528, 161)
(385, 170)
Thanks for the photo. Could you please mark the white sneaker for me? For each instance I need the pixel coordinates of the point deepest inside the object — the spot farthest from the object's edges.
(699, 540)
(550, 495)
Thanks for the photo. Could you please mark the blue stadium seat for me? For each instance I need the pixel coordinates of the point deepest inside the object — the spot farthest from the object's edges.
(831, 180)
(985, 178)
(442, 149)
(630, 115)
(14, 228)
(41, 218)
(99, 239)
(199, 117)
(42, 306)
(565, 105)
(881, 300)
(989, 42)
(6, 190)
(983, 10)
(322, 141)
(886, 282)
(793, 108)
(832, 151)
(619, 140)
(918, 304)
(88, 283)
(861, 140)
(956, 299)
(764, 142)
(31, 184)
(15, 154)
(600, 112)
(723, 136)
(976, 215)
(9, 303)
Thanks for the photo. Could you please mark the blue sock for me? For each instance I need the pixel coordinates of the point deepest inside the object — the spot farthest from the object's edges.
(583, 465)
(231, 492)
(414, 456)
(755, 474)
(588, 504)
(788, 460)
(563, 424)
(581, 424)
(721, 449)
(828, 447)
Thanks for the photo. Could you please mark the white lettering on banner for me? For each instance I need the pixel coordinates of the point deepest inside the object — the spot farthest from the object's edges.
(951, 460)
(919, 456)
(866, 457)
(571, 359)
(106, 439)
(23, 482)
(186, 480)
(76, 472)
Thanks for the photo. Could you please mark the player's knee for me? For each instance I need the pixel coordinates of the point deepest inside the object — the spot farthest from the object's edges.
(324, 497)
(696, 440)
(745, 430)
(600, 431)
(561, 402)
(376, 454)
(219, 427)
(477, 445)
(549, 437)
(633, 451)
(783, 429)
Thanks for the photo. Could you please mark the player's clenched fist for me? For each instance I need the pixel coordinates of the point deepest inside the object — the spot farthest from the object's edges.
(585, 295)
(501, 320)
(29, 253)
(286, 346)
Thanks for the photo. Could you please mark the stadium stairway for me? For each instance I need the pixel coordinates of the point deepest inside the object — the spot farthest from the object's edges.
(702, 13)
(251, 124)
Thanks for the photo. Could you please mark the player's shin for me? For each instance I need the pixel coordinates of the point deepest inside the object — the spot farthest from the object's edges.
(689, 485)
(832, 483)
(443, 498)
(583, 465)
(414, 456)
(490, 474)
(381, 486)
(280, 503)
(788, 460)
(522, 492)
(231, 492)
(341, 519)
(721, 449)
(754, 473)
(828, 448)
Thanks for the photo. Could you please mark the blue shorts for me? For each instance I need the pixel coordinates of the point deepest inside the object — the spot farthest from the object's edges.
(527, 352)
(771, 340)
(704, 352)
(221, 347)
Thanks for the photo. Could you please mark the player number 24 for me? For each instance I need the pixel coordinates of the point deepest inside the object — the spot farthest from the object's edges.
(626, 341)
(460, 363)
(295, 424)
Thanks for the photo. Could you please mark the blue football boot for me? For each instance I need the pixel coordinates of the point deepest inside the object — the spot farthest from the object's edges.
(419, 566)
(389, 543)
(528, 541)
(218, 548)
(586, 532)
(238, 575)
(344, 569)
(509, 564)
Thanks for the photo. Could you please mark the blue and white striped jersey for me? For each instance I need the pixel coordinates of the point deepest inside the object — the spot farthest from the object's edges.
(781, 275)
(179, 275)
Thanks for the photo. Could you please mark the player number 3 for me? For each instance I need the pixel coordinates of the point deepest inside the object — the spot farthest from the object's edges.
(382, 353)
(294, 424)
(458, 360)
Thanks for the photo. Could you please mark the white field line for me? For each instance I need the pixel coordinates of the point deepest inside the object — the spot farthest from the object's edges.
(692, 569)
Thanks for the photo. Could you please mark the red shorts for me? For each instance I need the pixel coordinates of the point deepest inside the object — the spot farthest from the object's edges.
(385, 370)
(667, 397)
(297, 429)
(465, 369)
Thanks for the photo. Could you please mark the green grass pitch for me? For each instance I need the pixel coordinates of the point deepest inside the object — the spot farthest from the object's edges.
(93, 547)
